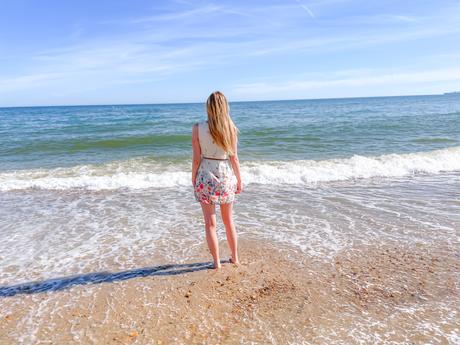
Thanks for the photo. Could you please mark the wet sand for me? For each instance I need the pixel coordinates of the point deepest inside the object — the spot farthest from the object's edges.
(383, 293)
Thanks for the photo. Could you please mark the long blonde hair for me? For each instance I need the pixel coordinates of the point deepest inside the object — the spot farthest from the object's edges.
(221, 126)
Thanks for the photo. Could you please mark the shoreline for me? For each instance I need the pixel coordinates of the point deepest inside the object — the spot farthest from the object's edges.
(375, 293)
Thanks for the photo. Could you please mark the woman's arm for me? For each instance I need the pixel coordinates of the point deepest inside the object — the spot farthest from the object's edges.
(196, 152)
(236, 166)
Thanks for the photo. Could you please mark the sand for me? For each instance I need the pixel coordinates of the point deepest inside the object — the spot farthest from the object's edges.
(383, 293)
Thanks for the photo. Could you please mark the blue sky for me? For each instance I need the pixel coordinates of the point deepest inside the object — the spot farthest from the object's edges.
(111, 52)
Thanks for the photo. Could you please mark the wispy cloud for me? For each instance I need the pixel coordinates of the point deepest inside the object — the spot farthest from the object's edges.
(363, 78)
(305, 7)
(176, 15)
(29, 81)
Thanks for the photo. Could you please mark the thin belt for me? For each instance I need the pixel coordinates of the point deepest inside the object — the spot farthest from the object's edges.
(215, 159)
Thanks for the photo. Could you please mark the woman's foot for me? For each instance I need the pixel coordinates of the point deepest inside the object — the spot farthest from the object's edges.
(235, 262)
(217, 266)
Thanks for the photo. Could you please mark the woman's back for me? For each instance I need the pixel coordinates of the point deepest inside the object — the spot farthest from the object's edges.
(209, 148)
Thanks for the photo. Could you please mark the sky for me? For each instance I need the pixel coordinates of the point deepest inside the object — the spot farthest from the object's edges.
(126, 52)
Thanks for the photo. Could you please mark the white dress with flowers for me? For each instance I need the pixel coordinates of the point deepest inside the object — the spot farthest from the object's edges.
(215, 179)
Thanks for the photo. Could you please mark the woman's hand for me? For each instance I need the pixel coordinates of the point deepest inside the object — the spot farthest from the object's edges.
(239, 187)
(193, 180)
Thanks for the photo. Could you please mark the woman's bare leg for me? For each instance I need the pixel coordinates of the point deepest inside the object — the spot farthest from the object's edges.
(226, 210)
(209, 214)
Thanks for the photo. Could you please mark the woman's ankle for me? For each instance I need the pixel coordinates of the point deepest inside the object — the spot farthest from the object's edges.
(234, 260)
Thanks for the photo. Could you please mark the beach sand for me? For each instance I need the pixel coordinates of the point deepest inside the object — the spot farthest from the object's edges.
(382, 293)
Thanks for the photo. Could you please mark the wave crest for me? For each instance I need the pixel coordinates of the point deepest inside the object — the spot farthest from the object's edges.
(140, 174)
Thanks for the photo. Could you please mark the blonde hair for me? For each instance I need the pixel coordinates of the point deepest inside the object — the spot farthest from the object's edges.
(221, 126)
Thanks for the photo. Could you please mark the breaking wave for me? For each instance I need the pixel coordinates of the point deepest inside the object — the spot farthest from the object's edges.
(141, 173)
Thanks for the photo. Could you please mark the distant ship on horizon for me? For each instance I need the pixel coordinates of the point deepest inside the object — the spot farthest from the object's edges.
(452, 93)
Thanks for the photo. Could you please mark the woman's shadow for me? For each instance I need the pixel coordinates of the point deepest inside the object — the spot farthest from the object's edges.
(61, 283)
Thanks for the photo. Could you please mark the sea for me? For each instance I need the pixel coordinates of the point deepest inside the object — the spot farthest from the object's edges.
(106, 188)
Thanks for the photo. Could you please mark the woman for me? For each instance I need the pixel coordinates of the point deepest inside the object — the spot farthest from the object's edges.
(216, 172)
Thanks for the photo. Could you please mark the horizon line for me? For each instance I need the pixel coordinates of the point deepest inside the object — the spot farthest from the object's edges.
(179, 103)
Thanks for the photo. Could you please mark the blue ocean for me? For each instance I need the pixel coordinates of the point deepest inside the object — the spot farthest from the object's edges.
(51, 137)
(65, 147)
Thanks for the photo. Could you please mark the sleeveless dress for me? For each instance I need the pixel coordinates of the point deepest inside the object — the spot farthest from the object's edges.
(215, 180)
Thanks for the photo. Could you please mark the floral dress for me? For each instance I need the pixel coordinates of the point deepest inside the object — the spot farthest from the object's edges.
(215, 182)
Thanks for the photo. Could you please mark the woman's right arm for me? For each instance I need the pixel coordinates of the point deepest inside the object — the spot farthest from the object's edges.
(236, 166)
(196, 152)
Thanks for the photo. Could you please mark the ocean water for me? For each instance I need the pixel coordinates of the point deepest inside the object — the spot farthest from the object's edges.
(105, 188)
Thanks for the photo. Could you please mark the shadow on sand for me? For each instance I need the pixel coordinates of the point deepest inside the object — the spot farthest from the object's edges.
(101, 277)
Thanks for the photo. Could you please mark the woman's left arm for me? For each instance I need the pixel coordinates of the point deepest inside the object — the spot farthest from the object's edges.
(196, 152)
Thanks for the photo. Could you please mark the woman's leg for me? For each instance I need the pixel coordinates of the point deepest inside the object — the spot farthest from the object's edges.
(226, 211)
(209, 214)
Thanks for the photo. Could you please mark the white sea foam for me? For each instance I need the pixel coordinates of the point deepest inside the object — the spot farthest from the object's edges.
(140, 174)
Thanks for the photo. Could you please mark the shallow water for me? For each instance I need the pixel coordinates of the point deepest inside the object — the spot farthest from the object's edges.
(51, 233)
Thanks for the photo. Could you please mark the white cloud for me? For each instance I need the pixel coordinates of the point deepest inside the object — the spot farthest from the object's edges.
(363, 79)
(29, 81)
(176, 15)
(307, 9)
